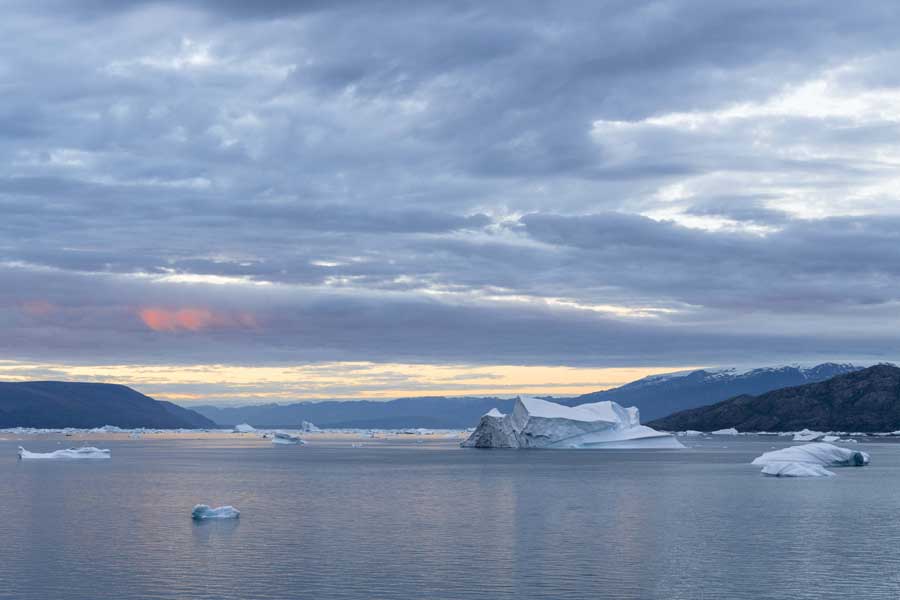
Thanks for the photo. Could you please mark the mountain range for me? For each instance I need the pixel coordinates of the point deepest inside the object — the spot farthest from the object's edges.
(656, 396)
(54, 404)
(59, 404)
(866, 400)
(660, 395)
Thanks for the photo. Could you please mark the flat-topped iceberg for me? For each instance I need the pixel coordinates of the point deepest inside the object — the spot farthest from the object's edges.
(67, 454)
(203, 512)
(536, 423)
(789, 461)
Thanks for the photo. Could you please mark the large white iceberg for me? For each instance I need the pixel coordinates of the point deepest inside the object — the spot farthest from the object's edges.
(203, 512)
(809, 460)
(69, 453)
(244, 428)
(536, 423)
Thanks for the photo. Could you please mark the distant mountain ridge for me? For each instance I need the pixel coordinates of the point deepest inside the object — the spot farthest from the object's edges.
(866, 400)
(660, 395)
(435, 412)
(655, 396)
(60, 404)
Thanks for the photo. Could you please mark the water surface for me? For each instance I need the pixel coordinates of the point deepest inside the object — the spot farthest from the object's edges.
(408, 520)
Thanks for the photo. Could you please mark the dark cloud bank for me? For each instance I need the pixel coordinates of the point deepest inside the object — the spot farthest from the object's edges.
(597, 183)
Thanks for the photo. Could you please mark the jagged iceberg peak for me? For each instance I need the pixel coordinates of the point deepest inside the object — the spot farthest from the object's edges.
(67, 454)
(536, 423)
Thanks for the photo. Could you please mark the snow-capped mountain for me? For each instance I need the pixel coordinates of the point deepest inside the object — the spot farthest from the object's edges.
(661, 395)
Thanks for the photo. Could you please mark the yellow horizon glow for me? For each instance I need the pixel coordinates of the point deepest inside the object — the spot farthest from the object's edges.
(335, 380)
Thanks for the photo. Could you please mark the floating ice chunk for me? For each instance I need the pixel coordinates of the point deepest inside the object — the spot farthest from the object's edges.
(848, 441)
(308, 427)
(691, 433)
(793, 469)
(806, 435)
(729, 431)
(244, 428)
(280, 437)
(818, 453)
(70, 453)
(831, 438)
(536, 423)
(202, 512)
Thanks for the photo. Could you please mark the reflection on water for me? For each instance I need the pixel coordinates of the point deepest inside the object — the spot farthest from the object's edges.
(434, 521)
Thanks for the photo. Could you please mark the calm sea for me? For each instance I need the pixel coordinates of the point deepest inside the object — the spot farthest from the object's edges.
(430, 520)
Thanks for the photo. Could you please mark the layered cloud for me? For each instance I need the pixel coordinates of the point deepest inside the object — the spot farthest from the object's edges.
(584, 184)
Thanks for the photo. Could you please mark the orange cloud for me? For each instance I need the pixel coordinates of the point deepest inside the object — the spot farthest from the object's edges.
(38, 308)
(193, 319)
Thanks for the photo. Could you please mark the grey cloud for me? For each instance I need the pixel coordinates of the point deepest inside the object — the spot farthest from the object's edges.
(422, 182)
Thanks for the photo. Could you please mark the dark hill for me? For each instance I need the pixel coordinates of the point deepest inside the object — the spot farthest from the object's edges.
(866, 400)
(59, 404)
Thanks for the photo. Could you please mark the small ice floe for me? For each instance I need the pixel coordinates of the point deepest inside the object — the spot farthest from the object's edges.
(136, 435)
(203, 512)
(794, 469)
(801, 461)
(848, 441)
(690, 433)
(831, 438)
(807, 435)
(729, 431)
(280, 437)
(357, 445)
(244, 428)
(308, 427)
(70, 453)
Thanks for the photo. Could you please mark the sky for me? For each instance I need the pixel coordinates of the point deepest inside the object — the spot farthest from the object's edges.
(237, 202)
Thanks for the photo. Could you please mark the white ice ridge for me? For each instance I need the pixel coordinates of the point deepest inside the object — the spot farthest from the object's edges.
(280, 437)
(536, 423)
(70, 453)
(244, 428)
(809, 460)
(202, 512)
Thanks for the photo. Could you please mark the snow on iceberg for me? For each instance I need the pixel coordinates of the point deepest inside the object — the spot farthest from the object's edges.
(280, 437)
(308, 427)
(244, 428)
(202, 512)
(818, 453)
(70, 453)
(536, 423)
(794, 469)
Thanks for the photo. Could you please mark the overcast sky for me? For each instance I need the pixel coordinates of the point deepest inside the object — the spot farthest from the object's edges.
(230, 200)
